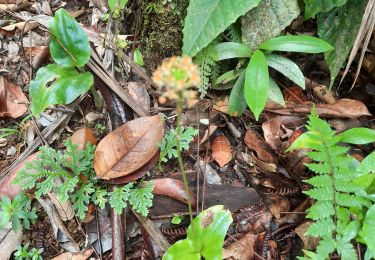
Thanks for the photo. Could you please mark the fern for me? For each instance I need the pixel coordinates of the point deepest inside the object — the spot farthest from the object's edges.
(141, 198)
(168, 146)
(335, 189)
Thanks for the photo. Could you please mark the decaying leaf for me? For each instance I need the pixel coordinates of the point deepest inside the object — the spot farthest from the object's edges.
(75, 256)
(11, 97)
(254, 142)
(12, 190)
(271, 131)
(222, 106)
(139, 94)
(64, 209)
(83, 136)
(310, 243)
(210, 130)
(324, 94)
(221, 150)
(174, 189)
(128, 148)
(242, 249)
(9, 240)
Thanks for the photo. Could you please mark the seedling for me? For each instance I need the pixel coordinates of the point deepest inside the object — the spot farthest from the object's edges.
(24, 253)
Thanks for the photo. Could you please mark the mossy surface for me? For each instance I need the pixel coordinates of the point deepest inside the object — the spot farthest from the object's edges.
(163, 21)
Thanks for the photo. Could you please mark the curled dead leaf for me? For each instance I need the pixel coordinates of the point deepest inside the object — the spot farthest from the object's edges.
(254, 142)
(221, 150)
(271, 131)
(174, 189)
(11, 97)
(128, 148)
(83, 136)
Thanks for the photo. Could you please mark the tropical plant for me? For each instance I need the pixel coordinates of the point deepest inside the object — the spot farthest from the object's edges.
(343, 190)
(26, 253)
(61, 83)
(205, 236)
(17, 211)
(75, 167)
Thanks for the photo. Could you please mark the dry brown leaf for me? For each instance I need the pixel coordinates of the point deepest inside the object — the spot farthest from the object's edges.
(83, 136)
(174, 189)
(222, 106)
(139, 94)
(10, 94)
(75, 256)
(9, 241)
(294, 94)
(254, 142)
(128, 148)
(221, 150)
(310, 243)
(12, 190)
(242, 249)
(324, 94)
(271, 132)
(210, 130)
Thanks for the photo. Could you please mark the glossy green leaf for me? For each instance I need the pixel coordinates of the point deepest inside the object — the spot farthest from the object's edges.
(368, 229)
(237, 102)
(313, 7)
(257, 83)
(267, 20)
(228, 76)
(69, 44)
(286, 67)
(360, 135)
(54, 84)
(138, 58)
(275, 93)
(205, 20)
(230, 50)
(116, 4)
(296, 43)
(340, 29)
(205, 236)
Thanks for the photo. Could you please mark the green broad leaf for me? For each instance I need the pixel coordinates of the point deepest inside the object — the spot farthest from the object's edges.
(205, 236)
(69, 44)
(205, 20)
(351, 230)
(360, 135)
(367, 165)
(268, 20)
(368, 229)
(296, 43)
(182, 249)
(226, 77)
(237, 102)
(302, 141)
(138, 58)
(116, 4)
(313, 7)
(230, 50)
(340, 29)
(257, 83)
(275, 93)
(286, 67)
(54, 84)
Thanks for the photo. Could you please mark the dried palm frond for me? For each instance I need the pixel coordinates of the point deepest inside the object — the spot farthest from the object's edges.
(363, 38)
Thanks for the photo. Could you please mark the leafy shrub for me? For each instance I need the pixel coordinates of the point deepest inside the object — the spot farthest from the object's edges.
(17, 211)
(342, 190)
(80, 184)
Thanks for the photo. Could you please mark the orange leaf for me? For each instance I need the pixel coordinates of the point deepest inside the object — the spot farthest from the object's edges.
(254, 142)
(83, 136)
(10, 97)
(221, 150)
(128, 148)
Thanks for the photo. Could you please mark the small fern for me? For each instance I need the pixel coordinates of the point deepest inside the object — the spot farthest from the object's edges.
(339, 196)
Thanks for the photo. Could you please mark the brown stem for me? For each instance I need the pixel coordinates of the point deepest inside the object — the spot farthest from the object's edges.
(118, 244)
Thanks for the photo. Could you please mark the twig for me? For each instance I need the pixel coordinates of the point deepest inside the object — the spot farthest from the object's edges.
(99, 235)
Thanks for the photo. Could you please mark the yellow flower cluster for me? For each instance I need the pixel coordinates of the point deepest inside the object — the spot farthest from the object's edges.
(176, 76)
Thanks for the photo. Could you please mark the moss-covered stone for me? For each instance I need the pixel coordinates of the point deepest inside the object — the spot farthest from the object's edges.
(163, 21)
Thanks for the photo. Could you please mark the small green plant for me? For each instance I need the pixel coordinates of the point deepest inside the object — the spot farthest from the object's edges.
(177, 219)
(205, 236)
(17, 211)
(116, 7)
(18, 130)
(342, 190)
(61, 83)
(24, 253)
(80, 184)
(101, 128)
(168, 145)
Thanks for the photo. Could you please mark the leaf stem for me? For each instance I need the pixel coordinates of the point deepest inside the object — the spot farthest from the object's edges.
(180, 162)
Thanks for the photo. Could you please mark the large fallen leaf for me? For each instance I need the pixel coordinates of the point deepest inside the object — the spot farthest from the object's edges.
(254, 142)
(75, 256)
(10, 98)
(12, 190)
(340, 29)
(205, 20)
(128, 148)
(267, 20)
(174, 189)
(221, 150)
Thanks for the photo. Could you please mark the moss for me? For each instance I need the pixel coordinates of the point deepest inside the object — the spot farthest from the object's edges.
(162, 29)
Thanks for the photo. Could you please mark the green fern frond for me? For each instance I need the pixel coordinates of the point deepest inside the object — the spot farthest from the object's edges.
(141, 198)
